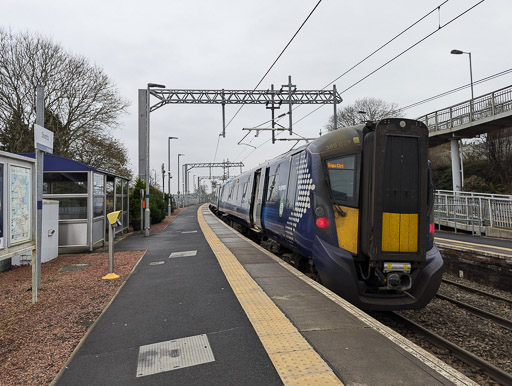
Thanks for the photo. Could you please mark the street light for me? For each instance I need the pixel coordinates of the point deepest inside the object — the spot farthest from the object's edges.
(147, 212)
(163, 181)
(456, 148)
(179, 155)
(169, 175)
(459, 52)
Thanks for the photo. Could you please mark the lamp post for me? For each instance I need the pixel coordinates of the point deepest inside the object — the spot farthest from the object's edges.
(148, 110)
(163, 181)
(459, 52)
(458, 169)
(169, 209)
(179, 155)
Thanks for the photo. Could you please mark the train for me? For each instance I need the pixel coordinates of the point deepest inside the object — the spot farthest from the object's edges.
(352, 209)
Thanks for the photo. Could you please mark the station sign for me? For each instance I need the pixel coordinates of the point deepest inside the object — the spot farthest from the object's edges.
(43, 139)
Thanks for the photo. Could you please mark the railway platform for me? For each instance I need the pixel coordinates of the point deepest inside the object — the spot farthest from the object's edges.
(485, 246)
(206, 306)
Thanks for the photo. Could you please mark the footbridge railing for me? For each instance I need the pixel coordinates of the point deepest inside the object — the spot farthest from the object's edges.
(485, 106)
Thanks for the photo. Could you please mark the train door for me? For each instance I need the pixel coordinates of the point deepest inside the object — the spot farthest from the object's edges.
(257, 197)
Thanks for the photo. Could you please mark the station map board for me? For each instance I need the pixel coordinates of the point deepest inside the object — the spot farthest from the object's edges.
(17, 205)
(20, 187)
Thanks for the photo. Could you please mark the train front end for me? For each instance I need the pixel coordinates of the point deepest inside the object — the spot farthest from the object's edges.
(373, 214)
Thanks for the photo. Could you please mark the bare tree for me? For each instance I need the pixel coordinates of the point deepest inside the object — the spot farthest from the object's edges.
(81, 102)
(365, 109)
(497, 147)
(103, 152)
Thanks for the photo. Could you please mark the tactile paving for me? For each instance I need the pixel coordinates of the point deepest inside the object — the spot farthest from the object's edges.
(293, 357)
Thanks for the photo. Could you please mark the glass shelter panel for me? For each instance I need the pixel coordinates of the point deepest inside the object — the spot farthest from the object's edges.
(99, 184)
(98, 206)
(110, 196)
(65, 183)
(72, 208)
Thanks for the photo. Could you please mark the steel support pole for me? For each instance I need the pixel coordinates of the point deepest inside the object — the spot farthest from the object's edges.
(36, 257)
(290, 103)
(335, 107)
(169, 204)
(163, 182)
(178, 200)
(169, 177)
(144, 135)
(110, 249)
(471, 79)
(456, 170)
(223, 116)
(147, 211)
(183, 186)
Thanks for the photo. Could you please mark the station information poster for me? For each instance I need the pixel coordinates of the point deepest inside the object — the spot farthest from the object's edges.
(1, 205)
(20, 203)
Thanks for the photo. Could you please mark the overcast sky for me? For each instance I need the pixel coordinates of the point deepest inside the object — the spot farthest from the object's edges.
(230, 44)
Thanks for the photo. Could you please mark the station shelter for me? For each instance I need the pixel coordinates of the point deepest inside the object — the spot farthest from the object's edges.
(85, 195)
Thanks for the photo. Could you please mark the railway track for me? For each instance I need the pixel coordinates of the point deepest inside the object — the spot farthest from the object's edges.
(477, 311)
(477, 291)
(467, 357)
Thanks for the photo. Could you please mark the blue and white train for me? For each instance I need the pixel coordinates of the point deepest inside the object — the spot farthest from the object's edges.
(354, 209)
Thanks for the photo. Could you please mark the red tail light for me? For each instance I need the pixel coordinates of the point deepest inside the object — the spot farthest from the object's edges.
(431, 228)
(322, 222)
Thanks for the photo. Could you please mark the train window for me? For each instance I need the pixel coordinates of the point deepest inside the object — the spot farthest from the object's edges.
(273, 191)
(341, 173)
(244, 192)
(292, 181)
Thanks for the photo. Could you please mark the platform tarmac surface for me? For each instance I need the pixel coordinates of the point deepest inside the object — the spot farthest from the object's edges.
(193, 314)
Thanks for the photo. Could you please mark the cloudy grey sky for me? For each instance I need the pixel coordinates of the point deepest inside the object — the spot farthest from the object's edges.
(230, 44)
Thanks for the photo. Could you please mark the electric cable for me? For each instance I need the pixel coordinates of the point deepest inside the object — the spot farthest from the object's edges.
(411, 47)
(491, 77)
(397, 56)
(272, 66)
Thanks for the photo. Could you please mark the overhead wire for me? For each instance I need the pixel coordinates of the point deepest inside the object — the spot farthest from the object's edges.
(411, 47)
(388, 42)
(369, 56)
(491, 77)
(389, 61)
(278, 57)
(395, 57)
(272, 66)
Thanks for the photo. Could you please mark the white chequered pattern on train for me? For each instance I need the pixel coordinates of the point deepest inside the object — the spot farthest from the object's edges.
(302, 204)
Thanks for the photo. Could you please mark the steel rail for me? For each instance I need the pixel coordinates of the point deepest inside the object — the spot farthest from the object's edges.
(467, 357)
(479, 312)
(474, 290)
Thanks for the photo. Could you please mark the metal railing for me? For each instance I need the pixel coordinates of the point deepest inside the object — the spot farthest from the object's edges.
(456, 214)
(472, 208)
(484, 106)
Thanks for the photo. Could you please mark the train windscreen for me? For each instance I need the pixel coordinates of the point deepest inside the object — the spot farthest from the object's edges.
(341, 173)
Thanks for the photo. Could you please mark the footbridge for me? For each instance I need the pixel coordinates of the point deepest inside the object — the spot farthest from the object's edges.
(483, 114)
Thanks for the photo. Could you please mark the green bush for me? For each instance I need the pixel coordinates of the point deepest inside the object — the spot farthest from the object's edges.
(157, 206)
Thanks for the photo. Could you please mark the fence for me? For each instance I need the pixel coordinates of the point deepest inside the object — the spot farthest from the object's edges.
(471, 209)
(484, 106)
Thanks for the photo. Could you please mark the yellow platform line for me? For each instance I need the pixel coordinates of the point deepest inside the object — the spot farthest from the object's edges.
(296, 362)
(473, 244)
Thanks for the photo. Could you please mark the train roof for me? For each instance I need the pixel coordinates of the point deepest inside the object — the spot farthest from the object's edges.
(331, 142)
